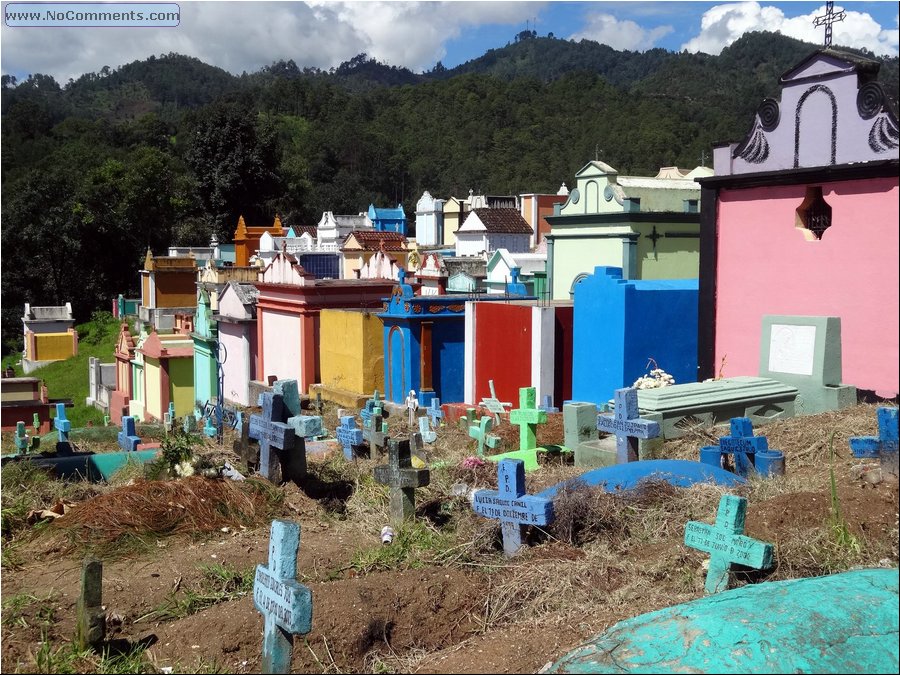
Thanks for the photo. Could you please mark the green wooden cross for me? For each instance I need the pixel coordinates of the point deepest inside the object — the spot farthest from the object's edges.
(482, 433)
(23, 444)
(468, 420)
(527, 416)
(726, 543)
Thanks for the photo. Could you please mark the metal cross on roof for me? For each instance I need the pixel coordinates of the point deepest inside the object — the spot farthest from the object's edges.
(829, 18)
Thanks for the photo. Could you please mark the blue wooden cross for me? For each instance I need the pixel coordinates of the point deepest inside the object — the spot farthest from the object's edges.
(726, 543)
(285, 604)
(527, 416)
(402, 478)
(435, 413)
(482, 433)
(511, 506)
(883, 444)
(751, 453)
(349, 435)
(61, 424)
(425, 431)
(128, 438)
(548, 406)
(270, 431)
(627, 425)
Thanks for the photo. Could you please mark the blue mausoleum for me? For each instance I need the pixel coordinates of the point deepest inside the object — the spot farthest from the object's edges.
(388, 220)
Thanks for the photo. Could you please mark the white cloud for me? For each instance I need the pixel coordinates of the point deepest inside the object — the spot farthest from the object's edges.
(607, 29)
(723, 24)
(240, 36)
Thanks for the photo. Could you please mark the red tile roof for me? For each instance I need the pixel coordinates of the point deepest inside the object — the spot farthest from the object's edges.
(372, 240)
(503, 221)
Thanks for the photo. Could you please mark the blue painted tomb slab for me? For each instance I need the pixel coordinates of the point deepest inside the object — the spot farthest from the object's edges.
(285, 604)
(511, 506)
(842, 623)
(677, 472)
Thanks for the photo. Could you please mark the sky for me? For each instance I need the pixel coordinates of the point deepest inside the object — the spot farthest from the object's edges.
(245, 36)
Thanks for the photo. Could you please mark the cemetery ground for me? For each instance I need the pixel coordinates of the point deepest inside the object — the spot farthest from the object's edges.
(179, 556)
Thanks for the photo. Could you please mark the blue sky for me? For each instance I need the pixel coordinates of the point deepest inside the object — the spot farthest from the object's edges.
(244, 36)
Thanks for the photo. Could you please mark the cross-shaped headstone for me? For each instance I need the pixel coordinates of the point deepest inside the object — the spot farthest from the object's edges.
(435, 413)
(375, 433)
(548, 406)
(271, 432)
(402, 478)
(829, 19)
(169, 418)
(482, 433)
(527, 416)
(743, 445)
(369, 409)
(726, 543)
(306, 426)
(128, 438)
(90, 620)
(468, 420)
(492, 404)
(24, 443)
(249, 454)
(106, 420)
(290, 395)
(425, 431)
(209, 428)
(285, 604)
(189, 423)
(349, 435)
(511, 506)
(417, 450)
(884, 443)
(626, 424)
(36, 423)
(61, 424)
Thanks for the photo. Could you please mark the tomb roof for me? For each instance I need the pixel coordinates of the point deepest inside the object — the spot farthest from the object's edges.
(503, 221)
(373, 240)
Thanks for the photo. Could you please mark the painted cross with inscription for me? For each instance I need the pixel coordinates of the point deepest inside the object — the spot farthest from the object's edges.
(750, 452)
(271, 433)
(726, 543)
(369, 409)
(402, 478)
(527, 416)
(511, 506)
(626, 424)
(285, 604)
(435, 413)
(349, 435)
(482, 434)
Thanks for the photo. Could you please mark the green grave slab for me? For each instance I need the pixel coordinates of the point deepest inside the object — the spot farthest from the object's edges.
(680, 407)
(842, 623)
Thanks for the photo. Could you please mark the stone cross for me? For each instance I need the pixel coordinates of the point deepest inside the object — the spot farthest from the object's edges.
(128, 438)
(884, 443)
(468, 420)
(492, 404)
(271, 432)
(482, 434)
(375, 433)
(435, 413)
(527, 416)
(417, 450)
(23, 444)
(290, 395)
(61, 424)
(750, 452)
(627, 425)
(511, 506)
(548, 406)
(285, 604)
(726, 543)
(349, 435)
(90, 620)
(369, 409)
(402, 478)
(306, 426)
(829, 18)
(425, 431)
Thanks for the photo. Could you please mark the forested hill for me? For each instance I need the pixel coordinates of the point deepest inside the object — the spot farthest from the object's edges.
(169, 149)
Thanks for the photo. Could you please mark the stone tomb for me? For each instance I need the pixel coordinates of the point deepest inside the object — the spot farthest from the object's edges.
(627, 426)
(285, 604)
(511, 506)
(402, 478)
(726, 543)
(805, 352)
(750, 453)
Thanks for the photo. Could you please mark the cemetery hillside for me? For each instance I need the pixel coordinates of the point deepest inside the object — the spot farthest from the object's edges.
(564, 360)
